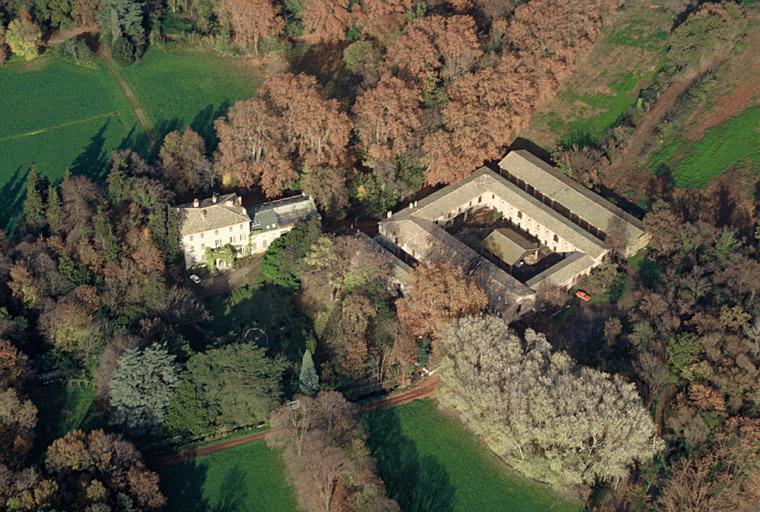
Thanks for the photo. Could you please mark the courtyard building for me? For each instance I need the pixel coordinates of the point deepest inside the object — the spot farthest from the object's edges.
(513, 232)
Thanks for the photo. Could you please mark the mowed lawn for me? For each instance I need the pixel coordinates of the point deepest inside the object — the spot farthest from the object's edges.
(57, 115)
(431, 463)
(181, 89)
(733, 143)
(248, 478)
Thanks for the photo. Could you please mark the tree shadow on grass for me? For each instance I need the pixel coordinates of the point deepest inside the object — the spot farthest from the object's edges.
(182, 484)
(203, 124)
(419, 483)
(233, 492)
(93, 161)
(12, 193)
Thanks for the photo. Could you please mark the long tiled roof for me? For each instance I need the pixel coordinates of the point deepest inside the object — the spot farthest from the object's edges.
(282, 212)
(588, 205)
(211, 215)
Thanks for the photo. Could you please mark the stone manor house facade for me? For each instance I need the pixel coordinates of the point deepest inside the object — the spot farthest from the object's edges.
(218, 221)
(546, 213)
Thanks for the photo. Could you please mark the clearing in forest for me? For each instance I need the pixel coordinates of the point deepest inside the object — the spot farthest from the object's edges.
(430, 461)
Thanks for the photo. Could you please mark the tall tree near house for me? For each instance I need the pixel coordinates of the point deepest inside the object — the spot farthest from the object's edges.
(388, 117)
(184, 162)
(34, 205)
(316, 129)
(252, 147)
(327, 186)
(252, 21)
(326, 21)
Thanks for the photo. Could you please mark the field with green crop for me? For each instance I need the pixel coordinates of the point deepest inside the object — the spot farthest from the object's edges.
(57, 115)
(430, 462)
(731, 144)
(248, 478)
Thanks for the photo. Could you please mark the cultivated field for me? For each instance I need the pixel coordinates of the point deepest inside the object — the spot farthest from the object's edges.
(249, 478)
(57, 115)
(430, 462)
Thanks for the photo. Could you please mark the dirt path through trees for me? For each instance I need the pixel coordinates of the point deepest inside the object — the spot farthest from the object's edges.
(134, 103)
(425, 389)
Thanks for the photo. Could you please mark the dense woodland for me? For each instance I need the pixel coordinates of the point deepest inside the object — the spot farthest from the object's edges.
(647, 402)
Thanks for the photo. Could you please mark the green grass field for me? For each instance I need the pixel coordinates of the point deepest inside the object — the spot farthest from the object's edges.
(249, 478)
(694, 163)
(57, 115)
(188, 88)
(431, 463)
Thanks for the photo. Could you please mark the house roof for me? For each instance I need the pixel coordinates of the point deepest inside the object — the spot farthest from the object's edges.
(282, 212)
(581, 201)
(211, 215)
(508, 245)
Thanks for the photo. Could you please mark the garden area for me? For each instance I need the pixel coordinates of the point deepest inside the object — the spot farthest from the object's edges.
(430, 462)
(58, 115)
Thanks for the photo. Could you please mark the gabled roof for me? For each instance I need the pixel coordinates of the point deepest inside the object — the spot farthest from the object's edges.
(508, 245)
(588, 205)
(210, 215)
(282, 212)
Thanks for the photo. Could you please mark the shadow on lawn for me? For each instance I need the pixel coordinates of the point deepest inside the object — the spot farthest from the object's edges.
(93, 161)
(418, 483)
(183, 483)
(13, 200)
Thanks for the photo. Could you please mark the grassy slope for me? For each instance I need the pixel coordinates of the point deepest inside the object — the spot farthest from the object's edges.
(430, 462)
(189, 89)
(733, 143)
(249, 478)
(606, 85)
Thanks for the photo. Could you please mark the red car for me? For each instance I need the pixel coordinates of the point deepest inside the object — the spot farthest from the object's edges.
(585, 297)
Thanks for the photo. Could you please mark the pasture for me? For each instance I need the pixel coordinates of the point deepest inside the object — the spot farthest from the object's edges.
(248, 478)
(430, 462)
(58, 116)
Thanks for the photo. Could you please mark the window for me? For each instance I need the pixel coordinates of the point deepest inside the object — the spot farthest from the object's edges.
(480, 199)
(203, 246)
(519, 214)
(253, 246)
(201, 235)
(493, 196)
(242, 227)
(191, 238)
(218, 243)
(232, 238)
(230, 229)
(556, 238)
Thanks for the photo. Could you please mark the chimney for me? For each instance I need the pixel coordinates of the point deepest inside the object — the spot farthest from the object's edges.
(213, 198)
(388, 214)
(411, 205)
(415, 203)
(240, 200)
(196, 203)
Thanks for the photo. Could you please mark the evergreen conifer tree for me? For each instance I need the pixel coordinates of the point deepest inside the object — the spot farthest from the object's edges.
(53, 212)
(309, 380)
(34, 206)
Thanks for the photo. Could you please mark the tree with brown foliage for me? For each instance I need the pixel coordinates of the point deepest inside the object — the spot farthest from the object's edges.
(388, 118)
(184, 162)
(326, 21)
(382, 19)
(315, 128)
(327, 185)
(85, 462)
(252, 148)
(251, 21)
(435, 47)
(14, 365)
(25, 490)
